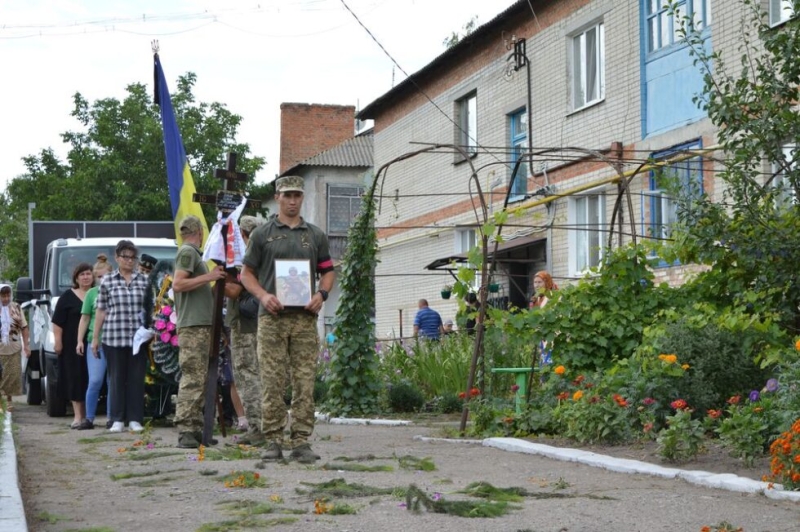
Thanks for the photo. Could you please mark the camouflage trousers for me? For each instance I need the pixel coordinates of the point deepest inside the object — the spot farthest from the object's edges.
(193, 359)
(245, 372)
(288, 341)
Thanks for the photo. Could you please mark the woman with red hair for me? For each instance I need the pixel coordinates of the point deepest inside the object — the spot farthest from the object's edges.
(543, 285)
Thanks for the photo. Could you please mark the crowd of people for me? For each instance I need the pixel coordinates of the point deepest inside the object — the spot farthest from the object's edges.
(273, 340)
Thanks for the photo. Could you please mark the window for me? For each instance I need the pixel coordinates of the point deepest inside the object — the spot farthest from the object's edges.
(787, 195)
(519, 144)
(587, 214)
(467, 133)
(664, 26)
(780, 11)
(344, 204)
(465, 240)
(588, 66)
(689, 177)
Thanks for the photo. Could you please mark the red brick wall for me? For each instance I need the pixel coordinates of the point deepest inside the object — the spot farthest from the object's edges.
(308, 129)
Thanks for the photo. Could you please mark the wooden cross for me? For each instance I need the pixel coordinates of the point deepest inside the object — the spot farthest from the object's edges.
(226, 200)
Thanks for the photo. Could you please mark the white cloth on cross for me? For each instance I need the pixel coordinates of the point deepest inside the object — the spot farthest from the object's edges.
(216, 250)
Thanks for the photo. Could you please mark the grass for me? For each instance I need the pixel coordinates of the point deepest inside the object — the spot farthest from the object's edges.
(140, 457)
(417, 500)
(248, 508)
(416, 464)
(339, 487)
(234, 452)
(161, 481)
(47, 517)
(361, 468)
(248, 523)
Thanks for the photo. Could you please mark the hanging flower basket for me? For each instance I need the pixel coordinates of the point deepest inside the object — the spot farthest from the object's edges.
(446, 292)
(494, 287)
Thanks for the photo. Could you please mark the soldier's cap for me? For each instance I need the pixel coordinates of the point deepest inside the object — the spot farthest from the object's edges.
(248, 223)
(191, 225)
(289, 183)
(147, 261)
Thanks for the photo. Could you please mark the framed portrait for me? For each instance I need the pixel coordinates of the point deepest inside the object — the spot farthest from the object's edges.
(293, 282)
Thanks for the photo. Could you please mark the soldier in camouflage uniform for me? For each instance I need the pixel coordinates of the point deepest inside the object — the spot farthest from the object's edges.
(243, 347)
(287, 337)
(194, 303)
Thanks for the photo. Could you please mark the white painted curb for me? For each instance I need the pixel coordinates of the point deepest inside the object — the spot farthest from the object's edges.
(361, 421)
(12, 512)
(724, 481)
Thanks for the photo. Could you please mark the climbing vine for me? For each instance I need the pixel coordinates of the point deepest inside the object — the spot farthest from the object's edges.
(354, 387)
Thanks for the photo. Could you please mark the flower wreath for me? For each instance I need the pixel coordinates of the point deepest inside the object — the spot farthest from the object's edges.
(161, 315)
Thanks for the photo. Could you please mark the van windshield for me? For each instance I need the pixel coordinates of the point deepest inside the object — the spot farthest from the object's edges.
(68, 258)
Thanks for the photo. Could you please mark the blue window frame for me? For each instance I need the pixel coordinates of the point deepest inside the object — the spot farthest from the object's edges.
(664, 26)
(663, 207)
(519, 144)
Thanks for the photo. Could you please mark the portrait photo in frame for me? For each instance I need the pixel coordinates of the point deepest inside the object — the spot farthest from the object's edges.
(293, 282)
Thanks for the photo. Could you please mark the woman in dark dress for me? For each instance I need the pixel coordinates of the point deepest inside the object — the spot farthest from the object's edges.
(73, 375)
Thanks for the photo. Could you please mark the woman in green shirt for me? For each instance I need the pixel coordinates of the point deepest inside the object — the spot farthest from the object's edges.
(95, 361)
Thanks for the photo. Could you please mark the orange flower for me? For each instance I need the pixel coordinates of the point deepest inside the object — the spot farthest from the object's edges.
(797, 345)
(669, 359)
(562, 396)
(474, 392)
(678, 404)
(560, 370)
(577, 395)
(508, 420)
(714, 414)
(620, 400)
(705, 529)
(684, 367)
(462, 395)
(579, 379)
(734, 400)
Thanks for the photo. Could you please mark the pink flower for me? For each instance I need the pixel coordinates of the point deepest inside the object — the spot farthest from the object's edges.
(160, 325)
(174, 341)
(170, 326)
(514, 388)
(166, 310)
(173, 318)
(165, 336)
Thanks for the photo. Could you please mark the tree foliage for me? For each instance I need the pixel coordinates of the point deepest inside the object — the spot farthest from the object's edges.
(456, 37)
(751, 234)
(354, 385)
(115, 168)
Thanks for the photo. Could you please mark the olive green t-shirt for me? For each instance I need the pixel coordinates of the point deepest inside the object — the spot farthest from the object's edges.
(195, 308)
(233, 317)
(276, 240)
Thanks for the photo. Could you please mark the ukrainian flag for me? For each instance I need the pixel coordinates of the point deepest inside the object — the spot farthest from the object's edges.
(179, 176)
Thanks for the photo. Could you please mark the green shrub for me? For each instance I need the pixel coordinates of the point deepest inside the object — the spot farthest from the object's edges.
(404, 397)
(721, 363)
(450, 403)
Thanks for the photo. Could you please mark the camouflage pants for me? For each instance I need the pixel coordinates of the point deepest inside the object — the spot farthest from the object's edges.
(193, 359)
(288, 341)
(245, 372)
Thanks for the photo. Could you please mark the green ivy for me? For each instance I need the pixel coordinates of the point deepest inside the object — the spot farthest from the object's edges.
(354, 386)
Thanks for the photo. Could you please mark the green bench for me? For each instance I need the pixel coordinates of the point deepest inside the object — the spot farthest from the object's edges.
(521, 380)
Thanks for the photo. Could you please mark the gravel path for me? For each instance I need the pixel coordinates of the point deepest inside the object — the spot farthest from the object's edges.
(67, 484)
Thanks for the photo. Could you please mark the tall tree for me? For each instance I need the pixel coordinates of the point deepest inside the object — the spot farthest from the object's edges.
(115, 167)
(751, 236)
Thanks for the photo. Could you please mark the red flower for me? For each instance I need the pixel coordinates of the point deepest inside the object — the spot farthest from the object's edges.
(647, 401)
(562, 396)
(620, 400)
(678, 404)
(734, 400)
(462, 395)
(474, 392)
(647, 427)
(588, 385)
(508, 420)
(594, 399)
(514, 388)
(714, 414)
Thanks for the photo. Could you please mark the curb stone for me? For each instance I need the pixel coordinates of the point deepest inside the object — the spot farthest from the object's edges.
(12, 512)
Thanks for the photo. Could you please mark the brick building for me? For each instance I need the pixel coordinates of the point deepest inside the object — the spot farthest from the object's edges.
(611, 78)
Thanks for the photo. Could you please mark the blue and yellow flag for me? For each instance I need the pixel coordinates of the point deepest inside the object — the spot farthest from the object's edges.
(179, 175)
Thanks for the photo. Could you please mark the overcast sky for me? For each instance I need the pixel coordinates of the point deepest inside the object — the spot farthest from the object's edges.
(249, 54)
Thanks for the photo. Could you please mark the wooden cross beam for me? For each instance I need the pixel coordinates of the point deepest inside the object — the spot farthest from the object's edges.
(227, 202)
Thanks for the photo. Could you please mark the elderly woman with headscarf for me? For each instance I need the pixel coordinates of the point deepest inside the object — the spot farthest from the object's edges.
(14, 337)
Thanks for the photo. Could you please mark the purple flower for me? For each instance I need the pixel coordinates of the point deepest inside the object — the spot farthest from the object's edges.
(436, 496)
(151, 445)
(754, 396)
(772, 385)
